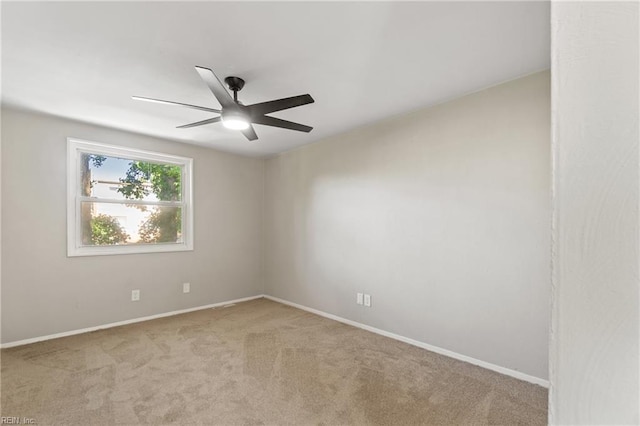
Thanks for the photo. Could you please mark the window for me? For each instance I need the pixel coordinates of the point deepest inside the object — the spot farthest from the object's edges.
(123, 200)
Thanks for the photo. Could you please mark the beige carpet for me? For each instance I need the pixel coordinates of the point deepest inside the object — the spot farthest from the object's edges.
(254, 363)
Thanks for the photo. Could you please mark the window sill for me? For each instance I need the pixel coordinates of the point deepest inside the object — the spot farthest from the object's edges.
(127, 249)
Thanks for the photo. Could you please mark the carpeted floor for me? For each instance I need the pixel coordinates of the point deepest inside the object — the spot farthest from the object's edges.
(254, 363)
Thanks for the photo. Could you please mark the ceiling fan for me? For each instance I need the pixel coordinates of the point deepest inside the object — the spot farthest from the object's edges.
(235, 115)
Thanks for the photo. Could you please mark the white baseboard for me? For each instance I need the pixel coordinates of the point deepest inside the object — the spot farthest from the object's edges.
(502, 370)
(119, 323)
(506, 371)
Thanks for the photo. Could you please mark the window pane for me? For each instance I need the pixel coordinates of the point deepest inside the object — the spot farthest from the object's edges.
(105, 224)
(121, 179)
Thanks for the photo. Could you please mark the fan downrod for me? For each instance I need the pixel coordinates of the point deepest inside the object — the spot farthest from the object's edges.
(235, 84)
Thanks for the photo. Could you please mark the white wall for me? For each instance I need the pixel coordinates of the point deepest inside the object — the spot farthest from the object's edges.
(442, 215)
(596, 312)
(45, 292)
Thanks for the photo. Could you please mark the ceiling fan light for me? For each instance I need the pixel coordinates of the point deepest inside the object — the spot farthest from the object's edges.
(235, 121)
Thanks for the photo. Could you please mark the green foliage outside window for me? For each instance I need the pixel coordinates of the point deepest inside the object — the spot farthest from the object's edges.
(142, 178)
(106, 230)
(164, 180)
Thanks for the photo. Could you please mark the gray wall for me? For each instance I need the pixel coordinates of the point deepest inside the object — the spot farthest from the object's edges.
(594, 355)
(442, 215)
(44, 292)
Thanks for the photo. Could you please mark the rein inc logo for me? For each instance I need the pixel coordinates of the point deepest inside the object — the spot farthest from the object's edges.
(17, 421)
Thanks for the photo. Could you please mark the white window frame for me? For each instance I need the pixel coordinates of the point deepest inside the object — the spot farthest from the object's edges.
(75, 147)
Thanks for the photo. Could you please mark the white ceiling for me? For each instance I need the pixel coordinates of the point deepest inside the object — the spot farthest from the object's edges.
(361, 61)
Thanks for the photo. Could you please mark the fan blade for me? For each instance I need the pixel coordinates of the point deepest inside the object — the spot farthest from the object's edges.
(279, 104)
(159, 101)
(216, 87)
(249, 133)
(276, 122)
(200, 123)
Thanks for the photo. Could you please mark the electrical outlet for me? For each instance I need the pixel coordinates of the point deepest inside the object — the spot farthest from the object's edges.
(186, 287)
(135, 295)
(359, 298)
(367, 300)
